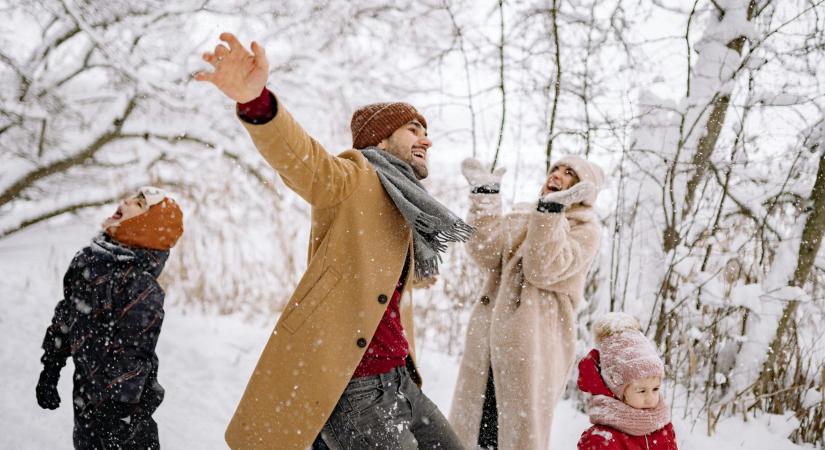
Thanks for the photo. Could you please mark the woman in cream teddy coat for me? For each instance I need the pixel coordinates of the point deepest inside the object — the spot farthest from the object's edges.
(520, 344)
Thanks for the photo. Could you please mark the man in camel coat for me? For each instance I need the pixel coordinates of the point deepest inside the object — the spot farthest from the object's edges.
(520, 344)
(339, 369)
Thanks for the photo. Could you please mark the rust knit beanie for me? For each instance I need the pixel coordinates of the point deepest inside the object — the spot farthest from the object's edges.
(158, 228)
(373, 123)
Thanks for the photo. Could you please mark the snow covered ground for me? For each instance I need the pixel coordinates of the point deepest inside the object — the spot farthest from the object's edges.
(206, 360)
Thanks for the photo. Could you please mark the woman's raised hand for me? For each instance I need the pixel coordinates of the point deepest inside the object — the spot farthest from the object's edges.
(477, 175)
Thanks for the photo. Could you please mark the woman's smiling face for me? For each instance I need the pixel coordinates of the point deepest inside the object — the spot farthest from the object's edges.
(560, 179)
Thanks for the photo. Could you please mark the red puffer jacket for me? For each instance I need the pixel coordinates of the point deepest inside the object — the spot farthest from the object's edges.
(602, 437)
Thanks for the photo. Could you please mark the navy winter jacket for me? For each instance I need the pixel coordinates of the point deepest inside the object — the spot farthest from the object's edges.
(108, 322)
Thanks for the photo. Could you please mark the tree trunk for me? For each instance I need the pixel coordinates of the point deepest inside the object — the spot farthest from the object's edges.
(501, 85)
(808, 249)
(713, 128)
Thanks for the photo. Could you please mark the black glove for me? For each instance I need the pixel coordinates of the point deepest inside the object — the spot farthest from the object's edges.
(47, 396)
(549, 207)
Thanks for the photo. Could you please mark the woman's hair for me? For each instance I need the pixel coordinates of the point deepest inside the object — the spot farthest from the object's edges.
(614, 323)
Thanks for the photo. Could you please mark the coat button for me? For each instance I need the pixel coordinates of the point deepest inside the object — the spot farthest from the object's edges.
(382, 299)
(485, 299)
(362, 342)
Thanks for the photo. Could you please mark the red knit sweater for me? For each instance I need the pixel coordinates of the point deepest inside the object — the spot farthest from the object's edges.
(388, 348)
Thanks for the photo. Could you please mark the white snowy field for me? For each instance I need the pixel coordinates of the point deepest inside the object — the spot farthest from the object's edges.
(205, 361)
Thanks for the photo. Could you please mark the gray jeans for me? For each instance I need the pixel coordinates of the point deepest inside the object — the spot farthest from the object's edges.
(387, 411)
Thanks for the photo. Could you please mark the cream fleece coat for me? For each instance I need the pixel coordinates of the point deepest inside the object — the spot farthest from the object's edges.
(523, 325)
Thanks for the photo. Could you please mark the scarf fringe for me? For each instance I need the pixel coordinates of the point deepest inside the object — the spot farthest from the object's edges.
(428, 225)
(426, 268)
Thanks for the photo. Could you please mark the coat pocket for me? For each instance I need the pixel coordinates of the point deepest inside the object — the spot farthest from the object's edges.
(295, 318)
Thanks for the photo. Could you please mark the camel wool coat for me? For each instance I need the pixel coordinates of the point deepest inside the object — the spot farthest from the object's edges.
(523, 324)
(358, 244)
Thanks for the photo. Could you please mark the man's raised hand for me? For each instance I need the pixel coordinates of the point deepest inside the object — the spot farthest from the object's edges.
(239, 74)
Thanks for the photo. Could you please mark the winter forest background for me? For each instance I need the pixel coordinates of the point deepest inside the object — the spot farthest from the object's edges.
(708, 116)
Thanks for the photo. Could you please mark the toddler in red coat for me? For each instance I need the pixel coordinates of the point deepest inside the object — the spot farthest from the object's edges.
(623, 375)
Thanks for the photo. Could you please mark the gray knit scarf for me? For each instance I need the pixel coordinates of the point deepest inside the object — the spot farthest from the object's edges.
(433, 224)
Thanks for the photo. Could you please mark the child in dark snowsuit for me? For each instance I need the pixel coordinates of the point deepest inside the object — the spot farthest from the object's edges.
(109, 321)
(624, 376)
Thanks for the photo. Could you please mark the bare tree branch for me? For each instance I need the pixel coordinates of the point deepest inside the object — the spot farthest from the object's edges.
(39, 173)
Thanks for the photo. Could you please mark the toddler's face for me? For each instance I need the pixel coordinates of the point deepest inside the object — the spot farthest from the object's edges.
(643, 393)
